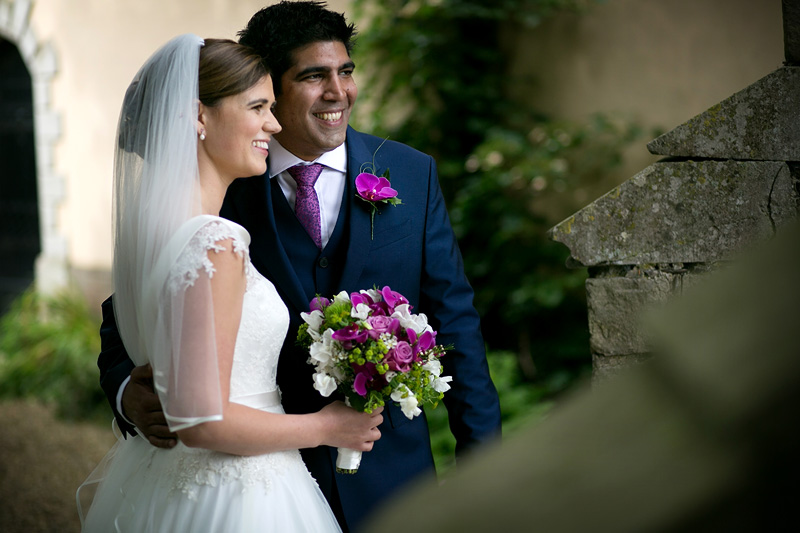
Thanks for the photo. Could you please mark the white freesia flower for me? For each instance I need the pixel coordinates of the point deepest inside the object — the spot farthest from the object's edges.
(372, 293)
(433, 366)
(419, 322)
(408, 402)
(338, 374)
(313, 319)
(324, 383)
(441, 384)
(321, 351)
(361, 311)
(342, 297)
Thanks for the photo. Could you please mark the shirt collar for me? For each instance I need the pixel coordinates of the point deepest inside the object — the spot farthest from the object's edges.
(281, 159)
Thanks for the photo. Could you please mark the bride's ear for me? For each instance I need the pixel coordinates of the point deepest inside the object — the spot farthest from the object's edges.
(202, 115)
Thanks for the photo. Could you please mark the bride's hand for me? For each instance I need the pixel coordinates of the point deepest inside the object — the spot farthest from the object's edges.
(347, 428)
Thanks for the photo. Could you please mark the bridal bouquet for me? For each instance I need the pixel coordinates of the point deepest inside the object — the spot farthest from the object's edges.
(371, 347)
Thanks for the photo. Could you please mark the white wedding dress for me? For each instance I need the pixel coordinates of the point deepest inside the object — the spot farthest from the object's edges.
(183, 489)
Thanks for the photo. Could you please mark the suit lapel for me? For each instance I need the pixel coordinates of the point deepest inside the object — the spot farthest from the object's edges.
(270, 255)
(360, 240)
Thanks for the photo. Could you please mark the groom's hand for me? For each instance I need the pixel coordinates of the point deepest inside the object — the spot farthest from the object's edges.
(140, 405)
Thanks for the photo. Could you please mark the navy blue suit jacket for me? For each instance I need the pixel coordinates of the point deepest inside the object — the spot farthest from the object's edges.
(413, 250)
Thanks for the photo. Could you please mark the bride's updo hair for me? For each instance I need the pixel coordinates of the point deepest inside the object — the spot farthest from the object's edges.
(227, 68)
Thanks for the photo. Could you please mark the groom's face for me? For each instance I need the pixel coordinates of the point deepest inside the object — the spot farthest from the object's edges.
(317, 95)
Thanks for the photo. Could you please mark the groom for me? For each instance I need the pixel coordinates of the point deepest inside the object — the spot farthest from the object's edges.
(411, 248)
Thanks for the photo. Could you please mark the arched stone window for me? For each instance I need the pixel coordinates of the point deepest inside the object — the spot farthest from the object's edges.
(31, 246)
(19, 213)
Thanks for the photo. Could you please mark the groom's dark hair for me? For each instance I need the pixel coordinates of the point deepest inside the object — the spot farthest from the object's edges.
(275, 32)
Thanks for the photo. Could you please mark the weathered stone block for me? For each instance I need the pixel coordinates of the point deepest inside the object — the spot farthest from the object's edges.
(617, 307)
(757, 123)
(605, 367)
(682, 212)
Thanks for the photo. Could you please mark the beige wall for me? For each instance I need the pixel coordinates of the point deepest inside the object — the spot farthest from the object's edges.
(100, 44)
(659, 61)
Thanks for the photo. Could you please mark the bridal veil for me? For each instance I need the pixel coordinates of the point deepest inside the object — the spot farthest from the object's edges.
(156, 206)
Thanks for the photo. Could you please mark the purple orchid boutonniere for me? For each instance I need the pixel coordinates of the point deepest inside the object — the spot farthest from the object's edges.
(374, 189)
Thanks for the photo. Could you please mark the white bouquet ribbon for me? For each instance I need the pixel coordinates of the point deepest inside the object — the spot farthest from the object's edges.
(348, 461)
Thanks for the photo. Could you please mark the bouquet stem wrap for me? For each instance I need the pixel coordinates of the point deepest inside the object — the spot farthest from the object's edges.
(347, 460)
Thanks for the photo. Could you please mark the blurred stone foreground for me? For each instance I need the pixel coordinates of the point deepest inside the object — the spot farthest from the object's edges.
(702, 437)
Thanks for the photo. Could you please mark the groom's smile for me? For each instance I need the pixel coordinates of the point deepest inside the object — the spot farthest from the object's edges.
(317, 95)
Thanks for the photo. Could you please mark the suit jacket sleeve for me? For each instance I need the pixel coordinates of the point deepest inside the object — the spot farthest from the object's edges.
(114, 364)
(446, 295)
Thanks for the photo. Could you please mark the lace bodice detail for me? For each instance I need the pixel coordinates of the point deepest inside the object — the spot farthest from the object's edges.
(265, 318)
(265, 321)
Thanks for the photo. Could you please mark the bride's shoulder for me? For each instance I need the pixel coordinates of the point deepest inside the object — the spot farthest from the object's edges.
(210, 229)
(198, 241)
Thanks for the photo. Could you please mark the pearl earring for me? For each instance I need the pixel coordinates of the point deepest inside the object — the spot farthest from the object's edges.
(202, 135)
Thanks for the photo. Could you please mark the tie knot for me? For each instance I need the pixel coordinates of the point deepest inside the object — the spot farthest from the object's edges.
(306, 175)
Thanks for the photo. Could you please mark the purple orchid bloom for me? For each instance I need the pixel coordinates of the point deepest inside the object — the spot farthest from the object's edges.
(426, 341)
(392, 298)
(349, 336)
(380, 309)
(373, 188)
(360, 298)
(360, 383)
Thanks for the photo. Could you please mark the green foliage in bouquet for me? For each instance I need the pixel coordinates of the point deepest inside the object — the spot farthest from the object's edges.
(48, 352)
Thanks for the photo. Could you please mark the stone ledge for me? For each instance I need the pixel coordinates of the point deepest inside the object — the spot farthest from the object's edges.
(757, 123)
(682, 212)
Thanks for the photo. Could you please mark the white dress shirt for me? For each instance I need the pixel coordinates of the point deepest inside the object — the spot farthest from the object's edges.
(329, 186)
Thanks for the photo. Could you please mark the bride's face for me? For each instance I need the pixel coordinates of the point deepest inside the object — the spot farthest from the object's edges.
(238, 130)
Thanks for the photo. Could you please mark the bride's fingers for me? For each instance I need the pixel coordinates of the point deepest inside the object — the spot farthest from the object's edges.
(375, 434)
(376, 417)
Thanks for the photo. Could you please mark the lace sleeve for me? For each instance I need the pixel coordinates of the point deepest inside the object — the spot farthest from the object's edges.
(194, 258)
(184, 356)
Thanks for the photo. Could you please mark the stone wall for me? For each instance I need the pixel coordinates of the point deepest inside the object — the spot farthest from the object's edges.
(729, 180)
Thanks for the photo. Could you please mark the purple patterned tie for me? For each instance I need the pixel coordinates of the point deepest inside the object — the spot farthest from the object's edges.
(307, 204)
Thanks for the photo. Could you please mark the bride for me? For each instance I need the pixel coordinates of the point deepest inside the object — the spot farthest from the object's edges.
(189, 302)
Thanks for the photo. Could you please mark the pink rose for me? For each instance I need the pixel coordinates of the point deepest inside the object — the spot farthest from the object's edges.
(400, 357)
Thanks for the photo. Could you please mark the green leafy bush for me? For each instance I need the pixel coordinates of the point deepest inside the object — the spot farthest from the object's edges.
(48, 351)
